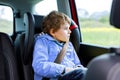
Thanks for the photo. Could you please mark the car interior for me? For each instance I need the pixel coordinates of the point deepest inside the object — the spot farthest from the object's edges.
(16, 49)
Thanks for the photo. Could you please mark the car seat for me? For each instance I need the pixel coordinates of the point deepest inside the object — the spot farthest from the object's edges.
(74, 38)
(25, 42)
(8, 64)
(24, 47)
(105, 67)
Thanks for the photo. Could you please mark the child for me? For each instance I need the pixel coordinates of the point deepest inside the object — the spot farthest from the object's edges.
(54, 42)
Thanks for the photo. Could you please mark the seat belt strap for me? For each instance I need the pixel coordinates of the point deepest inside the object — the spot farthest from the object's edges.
(59, 57)
(62, 53)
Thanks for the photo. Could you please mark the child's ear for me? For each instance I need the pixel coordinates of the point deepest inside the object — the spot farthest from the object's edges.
(52, 32)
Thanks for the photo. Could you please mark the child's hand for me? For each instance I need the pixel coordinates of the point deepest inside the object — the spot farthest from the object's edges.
(68, 69)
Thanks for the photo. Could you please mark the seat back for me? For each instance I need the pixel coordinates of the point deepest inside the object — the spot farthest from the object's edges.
(19, 41)
(28, 46)
(24, 48)
(75, 36)
(115, 14)
(29, 37)
(25, 43)
(38, 23)
(8, 64)
(104, 67)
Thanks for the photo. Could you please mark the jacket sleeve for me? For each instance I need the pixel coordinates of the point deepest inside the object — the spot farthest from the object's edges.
(41, 65)
(75, 56)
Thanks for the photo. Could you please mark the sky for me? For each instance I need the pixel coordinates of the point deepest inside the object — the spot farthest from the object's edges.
(6, 13)
(94, 5)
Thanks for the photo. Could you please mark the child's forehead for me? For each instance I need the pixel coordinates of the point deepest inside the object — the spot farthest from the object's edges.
(65, 24)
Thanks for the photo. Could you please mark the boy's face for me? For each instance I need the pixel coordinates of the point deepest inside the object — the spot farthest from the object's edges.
(62, 34)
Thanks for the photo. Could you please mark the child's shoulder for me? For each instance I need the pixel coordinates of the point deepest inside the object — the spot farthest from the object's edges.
(40, 37)
(45, 37)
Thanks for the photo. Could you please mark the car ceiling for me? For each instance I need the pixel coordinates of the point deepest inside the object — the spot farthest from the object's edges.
(21, 1)
(27, 5)
(16, 4)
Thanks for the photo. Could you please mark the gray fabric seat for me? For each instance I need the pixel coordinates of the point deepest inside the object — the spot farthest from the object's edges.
(24, 47)
(8, 64)
(24, 44)
(105, 67)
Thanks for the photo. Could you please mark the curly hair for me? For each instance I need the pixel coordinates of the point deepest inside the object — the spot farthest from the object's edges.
(53, 21)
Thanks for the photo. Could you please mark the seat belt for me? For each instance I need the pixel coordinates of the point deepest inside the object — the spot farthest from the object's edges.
(59, 57)
(62, 53)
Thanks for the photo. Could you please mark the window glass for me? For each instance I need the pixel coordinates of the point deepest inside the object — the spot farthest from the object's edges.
(45, 6)
(94, 22)
(6, 19)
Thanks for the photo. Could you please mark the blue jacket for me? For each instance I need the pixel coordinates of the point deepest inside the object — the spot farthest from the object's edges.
(45, 52)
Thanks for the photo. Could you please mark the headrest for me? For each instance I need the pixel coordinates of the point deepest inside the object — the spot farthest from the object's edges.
(75, 36)
(38, 23)
(104, 67)
(73, 25)
(115, 14)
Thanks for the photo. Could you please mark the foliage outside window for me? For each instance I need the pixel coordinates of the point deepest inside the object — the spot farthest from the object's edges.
(94, 23)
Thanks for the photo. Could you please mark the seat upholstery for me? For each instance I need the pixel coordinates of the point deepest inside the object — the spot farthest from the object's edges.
(24, 44)
(29, 37)
(8, 64)
(104, 67)
(19, 41)
(38, 23)
(75, 36)
(28, 45)
(24, 47)
(115, 14)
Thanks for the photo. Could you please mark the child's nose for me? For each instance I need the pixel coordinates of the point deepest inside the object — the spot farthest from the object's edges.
(69, 31)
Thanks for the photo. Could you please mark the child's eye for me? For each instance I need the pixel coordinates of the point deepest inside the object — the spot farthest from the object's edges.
(66, 28)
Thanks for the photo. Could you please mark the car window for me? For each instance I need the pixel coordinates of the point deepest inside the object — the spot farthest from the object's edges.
(94, 22)
(6, 19)
(46, 6)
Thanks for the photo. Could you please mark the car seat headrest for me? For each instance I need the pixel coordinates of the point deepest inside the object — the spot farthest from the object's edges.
(73, 25)
(115, 14)
(115, 50)
(104, 67)
(38, 23)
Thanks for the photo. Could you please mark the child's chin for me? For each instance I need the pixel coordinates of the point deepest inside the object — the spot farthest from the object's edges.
(64, 40)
